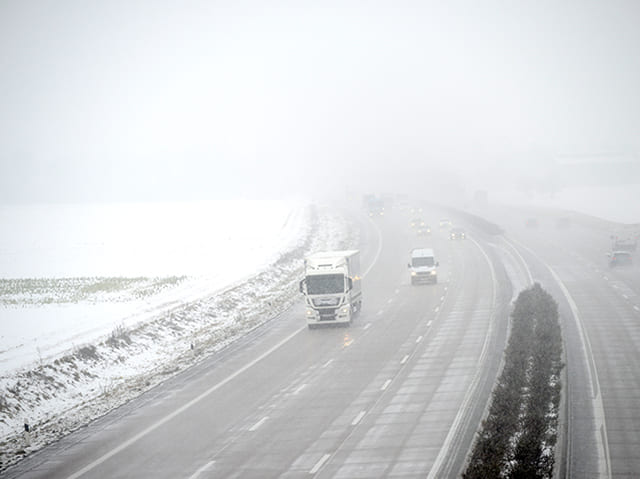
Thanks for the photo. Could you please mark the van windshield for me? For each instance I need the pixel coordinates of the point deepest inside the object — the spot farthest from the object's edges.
(325, 284)
(422, 261)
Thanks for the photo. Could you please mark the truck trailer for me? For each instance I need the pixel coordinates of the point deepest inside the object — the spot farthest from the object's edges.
(332, 287)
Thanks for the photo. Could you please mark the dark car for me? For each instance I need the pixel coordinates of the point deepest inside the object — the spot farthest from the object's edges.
(457, 233)
(620, 258)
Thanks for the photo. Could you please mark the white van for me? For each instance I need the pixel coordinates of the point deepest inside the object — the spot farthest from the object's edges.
(423, 266)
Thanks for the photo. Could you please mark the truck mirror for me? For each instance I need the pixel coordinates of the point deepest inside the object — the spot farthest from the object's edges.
(302, 286)
(408, 265)
(350, 283)
(437, 263)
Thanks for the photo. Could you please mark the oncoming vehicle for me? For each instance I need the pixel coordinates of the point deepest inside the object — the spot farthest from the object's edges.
(445, 223)
(424, 230)
(620, 258)
(417, 223)
(457, 233)
(332, 287)
(423, 266)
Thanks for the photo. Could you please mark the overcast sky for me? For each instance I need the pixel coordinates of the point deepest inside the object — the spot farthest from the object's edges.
(104, 100)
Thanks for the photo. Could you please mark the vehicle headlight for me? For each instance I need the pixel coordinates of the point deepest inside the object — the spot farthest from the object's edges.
(413, 273)
(309, 312)
(433, 272)
(345, 310)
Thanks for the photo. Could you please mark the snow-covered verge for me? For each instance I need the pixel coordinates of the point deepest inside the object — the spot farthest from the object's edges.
(60, 393)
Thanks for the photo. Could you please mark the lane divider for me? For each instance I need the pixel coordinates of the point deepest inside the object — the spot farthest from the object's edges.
(129, 442)
(258, 424)
(358, 418)
(319, 464)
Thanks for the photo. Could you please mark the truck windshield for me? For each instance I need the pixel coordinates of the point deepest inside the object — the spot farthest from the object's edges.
(325, 284)
(423, 261)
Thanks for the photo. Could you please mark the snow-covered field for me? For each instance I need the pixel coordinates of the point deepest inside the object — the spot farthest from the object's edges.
(101, 302)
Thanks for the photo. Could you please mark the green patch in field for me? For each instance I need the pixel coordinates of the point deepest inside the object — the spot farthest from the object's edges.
(45, 291)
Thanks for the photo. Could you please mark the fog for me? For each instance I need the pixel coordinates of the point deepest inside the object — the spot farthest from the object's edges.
(120, 100)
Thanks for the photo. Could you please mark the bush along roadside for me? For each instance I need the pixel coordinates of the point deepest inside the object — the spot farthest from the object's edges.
(518, 437)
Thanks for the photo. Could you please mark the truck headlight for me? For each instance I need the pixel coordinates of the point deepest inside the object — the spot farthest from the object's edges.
(345, 310)
(433, 272)
(413, 273)
(309, 312)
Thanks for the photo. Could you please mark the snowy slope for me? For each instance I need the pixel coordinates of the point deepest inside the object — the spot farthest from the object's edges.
(67, 361)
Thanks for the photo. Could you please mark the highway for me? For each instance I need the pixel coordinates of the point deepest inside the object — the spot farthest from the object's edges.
(399, 393)
(600, 316)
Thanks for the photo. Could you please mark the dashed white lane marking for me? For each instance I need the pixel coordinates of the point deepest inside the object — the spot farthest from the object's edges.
(380, 312)
(327, 363)
(319, 464)
(429, 323)
(437, 309)
(397, 291)
(390, 300)
(625, 296)
(419, 339)
(124, 445)
(605, 278)
(615, 286)
(636, 308)
(358, 418)
(405, 359)
(297, 391)
(202, 469)
(441, 298)
(258, 424)
(386, 384)
(367, 326)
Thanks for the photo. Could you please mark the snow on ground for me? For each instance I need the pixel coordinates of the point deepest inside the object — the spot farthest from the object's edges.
(212, 244)
(133, 294)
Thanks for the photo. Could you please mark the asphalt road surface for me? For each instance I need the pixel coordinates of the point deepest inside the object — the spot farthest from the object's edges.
(399, 393)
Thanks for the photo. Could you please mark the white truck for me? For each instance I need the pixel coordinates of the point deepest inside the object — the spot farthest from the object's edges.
(423, 266)
(332, 287)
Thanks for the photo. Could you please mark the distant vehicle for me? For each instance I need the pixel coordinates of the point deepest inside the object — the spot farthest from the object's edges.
(423, 266)
(457, 233)
(417, 223)
(531, 223)
(374, 205)
(424, 230)
(563, 223)
(627, 244)
(620, 258)
(332, 287)
(445, 223)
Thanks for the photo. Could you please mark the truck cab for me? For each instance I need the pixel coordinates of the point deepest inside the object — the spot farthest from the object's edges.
(332, 287)
(423, 266)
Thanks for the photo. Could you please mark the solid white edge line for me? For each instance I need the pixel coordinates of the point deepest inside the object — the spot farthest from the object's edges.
(468, 397)
(386, 384)
(258, 424)
(604, 459)
(297, 391)
(375, 259)
(319, 464)
(202, 469)
(358, 418)
(181, 409)
(327, 363)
